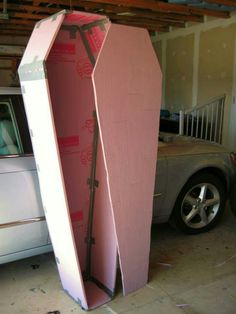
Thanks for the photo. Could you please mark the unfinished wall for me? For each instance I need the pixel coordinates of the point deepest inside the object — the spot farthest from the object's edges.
(179, 72)
(198, 64)
(215, 77)
(158, 49)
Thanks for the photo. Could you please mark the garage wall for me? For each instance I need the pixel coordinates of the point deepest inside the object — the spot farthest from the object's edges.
(7, 77)
(179, 72)
(198, 64)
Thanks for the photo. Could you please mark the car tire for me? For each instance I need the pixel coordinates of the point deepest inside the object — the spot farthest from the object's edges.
(200, 204)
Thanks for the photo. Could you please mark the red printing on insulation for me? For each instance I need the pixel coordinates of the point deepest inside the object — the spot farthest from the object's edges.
(84, 67)
(63, 48)
(77, 216)
(68, 141)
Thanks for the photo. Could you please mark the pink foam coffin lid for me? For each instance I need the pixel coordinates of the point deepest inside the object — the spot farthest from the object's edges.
(92, 94)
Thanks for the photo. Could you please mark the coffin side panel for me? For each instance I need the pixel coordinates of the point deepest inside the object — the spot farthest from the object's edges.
(41, 40)
(127, 84)
(69, 70)
(59, 100)
(38, 109)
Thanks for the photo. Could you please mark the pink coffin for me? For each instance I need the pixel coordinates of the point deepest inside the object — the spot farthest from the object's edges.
(75, 64)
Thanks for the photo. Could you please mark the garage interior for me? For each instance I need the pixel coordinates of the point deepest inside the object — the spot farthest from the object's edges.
(195, 45)
(188, 275)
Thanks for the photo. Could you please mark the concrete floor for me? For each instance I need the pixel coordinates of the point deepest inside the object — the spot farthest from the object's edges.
(188, 274)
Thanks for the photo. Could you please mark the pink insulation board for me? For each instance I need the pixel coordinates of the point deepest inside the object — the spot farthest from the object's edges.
(60, 104)
(38, 108)
(75, 69)
(127, 84)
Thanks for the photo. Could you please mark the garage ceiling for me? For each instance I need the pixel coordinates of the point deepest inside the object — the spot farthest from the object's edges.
(17, 17)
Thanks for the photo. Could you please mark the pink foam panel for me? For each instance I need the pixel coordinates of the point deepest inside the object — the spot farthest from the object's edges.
(124, 89)
(41, 39)
(60, 112)
(75, 126)
(38, 104)
(127, 84)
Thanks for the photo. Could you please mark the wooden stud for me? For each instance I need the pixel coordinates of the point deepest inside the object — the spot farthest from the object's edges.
(230, 3)
(144, 4)
(154, 22)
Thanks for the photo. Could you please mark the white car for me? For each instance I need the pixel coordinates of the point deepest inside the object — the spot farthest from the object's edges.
(192, 183)
(23, 229)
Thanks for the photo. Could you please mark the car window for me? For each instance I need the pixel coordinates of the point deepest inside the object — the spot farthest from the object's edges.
(14, 134)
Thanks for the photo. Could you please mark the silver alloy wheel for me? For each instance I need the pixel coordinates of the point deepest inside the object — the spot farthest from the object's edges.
(200, 205)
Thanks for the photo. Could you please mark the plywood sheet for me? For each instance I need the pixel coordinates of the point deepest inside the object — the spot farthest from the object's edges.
(127, 84)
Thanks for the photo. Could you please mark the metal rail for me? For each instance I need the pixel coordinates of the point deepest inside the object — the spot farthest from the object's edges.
(205, 121)
(93, 184)
(21, 222)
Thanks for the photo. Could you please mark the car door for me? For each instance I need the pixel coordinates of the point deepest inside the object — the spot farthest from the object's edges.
(22, 222)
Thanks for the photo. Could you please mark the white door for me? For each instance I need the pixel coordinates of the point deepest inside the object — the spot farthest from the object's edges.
(22, 221)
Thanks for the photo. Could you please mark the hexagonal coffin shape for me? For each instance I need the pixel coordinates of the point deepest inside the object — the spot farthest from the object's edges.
(127, 84)
(89, 201)
(58, 92)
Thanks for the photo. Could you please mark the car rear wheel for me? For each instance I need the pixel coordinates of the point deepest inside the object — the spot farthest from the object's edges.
(200, 204)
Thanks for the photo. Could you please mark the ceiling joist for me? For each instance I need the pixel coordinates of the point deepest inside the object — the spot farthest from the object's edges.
(154, 15)
(161, 6)
(230, 3)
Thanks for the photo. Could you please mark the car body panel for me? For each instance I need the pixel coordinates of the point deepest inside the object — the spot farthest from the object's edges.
(184, 158)
(176, 145)
(19, 189)
(23, 229)
(160, 189)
